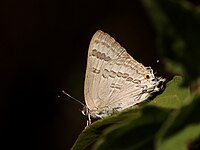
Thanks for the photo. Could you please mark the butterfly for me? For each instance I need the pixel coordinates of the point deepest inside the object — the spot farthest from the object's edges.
(114, 81)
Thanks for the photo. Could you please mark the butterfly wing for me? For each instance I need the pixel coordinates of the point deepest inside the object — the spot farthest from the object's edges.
(113, 78)
(126, 82)
(107, 67)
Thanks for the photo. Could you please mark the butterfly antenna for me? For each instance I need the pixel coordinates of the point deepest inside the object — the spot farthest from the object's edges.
(156, 67)
(75, 100)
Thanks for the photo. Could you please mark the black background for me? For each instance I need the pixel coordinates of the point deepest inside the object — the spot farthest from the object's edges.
(43, 50)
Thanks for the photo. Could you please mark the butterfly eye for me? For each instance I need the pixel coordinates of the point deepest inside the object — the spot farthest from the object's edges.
(146, 76)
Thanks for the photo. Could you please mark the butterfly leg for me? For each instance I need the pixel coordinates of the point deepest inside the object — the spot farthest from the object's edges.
(89, 122)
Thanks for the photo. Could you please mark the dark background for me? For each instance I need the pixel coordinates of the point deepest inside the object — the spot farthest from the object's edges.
(43, 50)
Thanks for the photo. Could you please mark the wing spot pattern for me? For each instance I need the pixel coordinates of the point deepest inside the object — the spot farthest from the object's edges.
(105, 44)
(137, 81)
(116, 86)
(94, 52)
(129, 79)
(107, 58)
(119, 74)
(96, 71)
(105, 73)
(103, 56)
(112, 74)
(100, 55)
(96, 41)
(125, 75)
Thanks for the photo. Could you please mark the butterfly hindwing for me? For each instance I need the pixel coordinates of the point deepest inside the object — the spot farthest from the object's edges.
(123, 83)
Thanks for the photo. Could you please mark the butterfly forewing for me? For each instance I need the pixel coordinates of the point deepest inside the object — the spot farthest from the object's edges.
(102, 50)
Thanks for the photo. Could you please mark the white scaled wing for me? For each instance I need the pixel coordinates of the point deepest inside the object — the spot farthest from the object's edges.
(114, 80)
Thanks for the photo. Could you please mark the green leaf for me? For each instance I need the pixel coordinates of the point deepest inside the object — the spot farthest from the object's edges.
(183, 127)
(134, 134)
(92, 133)
(174, 96)
(177, 23)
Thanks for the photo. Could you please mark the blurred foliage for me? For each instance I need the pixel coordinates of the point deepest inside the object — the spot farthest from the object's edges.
(177, 23)
(183, 127)
(170, 121)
